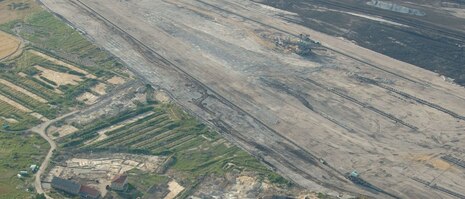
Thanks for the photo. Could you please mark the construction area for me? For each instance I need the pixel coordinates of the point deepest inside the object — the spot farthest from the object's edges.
(320, 110)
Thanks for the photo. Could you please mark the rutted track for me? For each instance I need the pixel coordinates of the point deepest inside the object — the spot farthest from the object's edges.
(156, 58)
(324, 47)
(458, 36)
(408, 96)
(382, 113)
(202, 58)
(267, 151)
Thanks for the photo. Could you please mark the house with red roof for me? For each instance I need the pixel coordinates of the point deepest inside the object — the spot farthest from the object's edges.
(120, 183)
(89, 192)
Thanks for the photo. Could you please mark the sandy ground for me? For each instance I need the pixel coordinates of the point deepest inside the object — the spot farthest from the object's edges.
(116, 80)
(100, 88)
(87, 98)
(313, 119)
(10, 120)
(456, 12)
(8, 45)
(58, 77)
(63, 130)
(174, 188)
(40, 117)
(162, 97)
(22, 90)
(61, 63)
(104, 169)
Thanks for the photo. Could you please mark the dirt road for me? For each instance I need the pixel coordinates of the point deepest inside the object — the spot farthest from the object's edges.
(42, 131)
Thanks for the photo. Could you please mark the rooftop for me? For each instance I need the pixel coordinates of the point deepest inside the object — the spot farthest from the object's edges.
(89, 191)
(120, 178)
(66, 185)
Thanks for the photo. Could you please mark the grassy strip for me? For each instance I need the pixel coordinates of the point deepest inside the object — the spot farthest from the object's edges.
(91, 131)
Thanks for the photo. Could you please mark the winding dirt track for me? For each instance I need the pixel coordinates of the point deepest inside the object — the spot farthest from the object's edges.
(42, 131)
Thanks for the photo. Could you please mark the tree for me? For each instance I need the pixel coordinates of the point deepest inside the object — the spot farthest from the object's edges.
(40, 196)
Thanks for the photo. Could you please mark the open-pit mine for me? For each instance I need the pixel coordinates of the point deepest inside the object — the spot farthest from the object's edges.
(321, 110)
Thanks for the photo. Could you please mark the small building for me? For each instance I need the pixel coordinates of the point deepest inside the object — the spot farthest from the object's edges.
(120, 183)
(89, 192)
(34, 168)
(23, 173)
(67, 186)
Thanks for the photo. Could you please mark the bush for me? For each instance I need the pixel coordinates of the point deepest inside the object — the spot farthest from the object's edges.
(277, 179)
(40, 196)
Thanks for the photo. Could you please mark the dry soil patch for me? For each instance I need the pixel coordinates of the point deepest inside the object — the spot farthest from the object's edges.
(58, 77)
(103, 169)
(63, 130)
(162, 97)
(116, 80)
(8, 45)
(100, 89)
(88, 98)
(174, 188)
(10, 120)
(61, 63)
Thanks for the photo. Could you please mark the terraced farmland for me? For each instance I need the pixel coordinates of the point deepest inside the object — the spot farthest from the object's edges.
(13, 118)
(166, 130)
(55, 67)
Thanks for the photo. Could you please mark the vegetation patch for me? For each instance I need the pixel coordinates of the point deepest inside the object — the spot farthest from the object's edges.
(18, 152)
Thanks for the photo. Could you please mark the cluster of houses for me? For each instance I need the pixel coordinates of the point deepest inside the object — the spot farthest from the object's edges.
(34, 168)
(119, 183)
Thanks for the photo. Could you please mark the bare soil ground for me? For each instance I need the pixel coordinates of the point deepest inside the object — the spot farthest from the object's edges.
(10, 120)
(61, 63)
(174, 189)
(58, 77)
(162, 97)
(88, 98)
(97, 170)
(314, 118)
(116, 80)
(100, 89)
(8, 45)
(62, 131)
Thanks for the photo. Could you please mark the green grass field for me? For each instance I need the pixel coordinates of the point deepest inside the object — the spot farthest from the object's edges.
(18, 152)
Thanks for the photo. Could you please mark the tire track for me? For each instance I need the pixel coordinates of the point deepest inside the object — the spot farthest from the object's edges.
(364, 105)
(155, 57)
(408, 96)
(152, 56)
